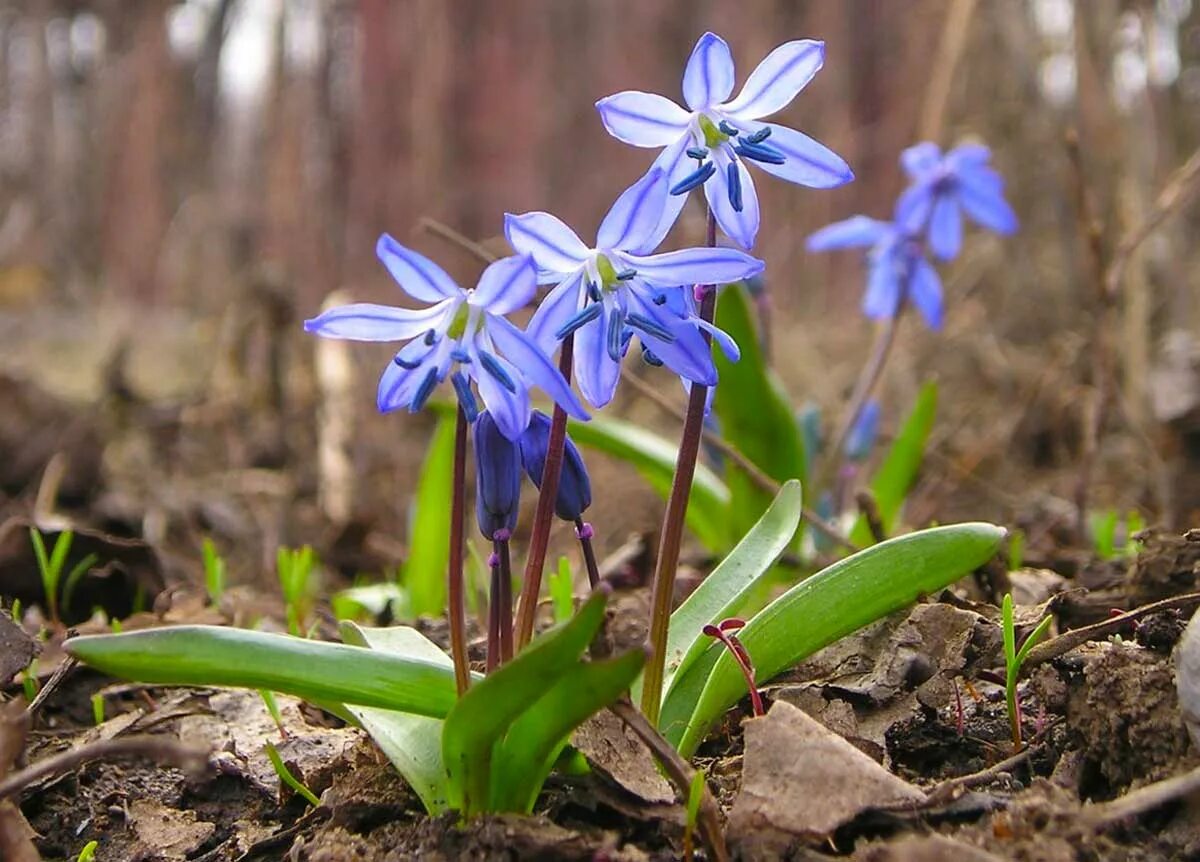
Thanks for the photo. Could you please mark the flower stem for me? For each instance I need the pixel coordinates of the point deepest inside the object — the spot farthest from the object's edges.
(502, 593)
(672, 532)
(456, 608)
(585, 532)
(540, 536)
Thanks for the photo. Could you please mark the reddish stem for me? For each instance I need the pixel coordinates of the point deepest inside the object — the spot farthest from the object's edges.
(456, 607)
(724, 633)
(584, 532)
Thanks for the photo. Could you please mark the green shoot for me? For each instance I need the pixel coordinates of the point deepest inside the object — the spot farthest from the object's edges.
(98, 709)
(214, 572)
(1013, 659)
(15, 611)
(287, 778)
(695, 794)
(115, 625)
(1016, 550)
(294, 567)
(29, 682)
(561, 582)
(88, 853)
(1104, 534)
(51, 564)
(272, 705)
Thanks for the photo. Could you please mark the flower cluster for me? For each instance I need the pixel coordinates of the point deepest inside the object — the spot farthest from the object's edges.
(927, 220)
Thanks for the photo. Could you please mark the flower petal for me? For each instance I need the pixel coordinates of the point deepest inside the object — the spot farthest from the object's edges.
(416, 274)
(722, 338)
(642, 119)
(925, 292)
(595, 371)
(635, 214)
(509, 408)
(694, 266)
(945, 227)
(519, 349)
(854, 232)
(555, 247)
(506, 285)
(366, 321)
(741, 226)
(968, 156)
(987, 208)
(779, 77)
(914, 207)
(398, 384)
(883, 287)
(675, 164)
(555, 309)
(807, 162)
(920, 159)
(708, 77)
(688, 354)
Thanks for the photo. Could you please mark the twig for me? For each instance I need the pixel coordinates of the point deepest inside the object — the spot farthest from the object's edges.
(950, 50)
(1142, 800)
(681, 774)
(946, 788)
(158, 748)
(60, 673)
(870, 512)
(443, 230)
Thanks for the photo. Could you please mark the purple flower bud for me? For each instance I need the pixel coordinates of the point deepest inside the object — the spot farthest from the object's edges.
(861, 439)
(497, 478)
(574, 486)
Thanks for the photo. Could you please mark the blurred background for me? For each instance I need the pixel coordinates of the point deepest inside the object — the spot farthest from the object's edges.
(182, 183)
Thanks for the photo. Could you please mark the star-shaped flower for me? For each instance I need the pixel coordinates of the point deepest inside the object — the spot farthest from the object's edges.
(898, 270)
(721, 134)
(607, 292)
(462, 335)
(945, 186)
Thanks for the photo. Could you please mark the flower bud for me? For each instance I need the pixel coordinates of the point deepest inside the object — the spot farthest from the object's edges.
(861, 439)
(574, 486)
(497, 479)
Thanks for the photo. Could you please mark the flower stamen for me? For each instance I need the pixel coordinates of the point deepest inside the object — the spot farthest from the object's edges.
(581, 318)
(493, 367)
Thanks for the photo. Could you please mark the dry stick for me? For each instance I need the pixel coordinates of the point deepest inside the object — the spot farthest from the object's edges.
(950, 50)
(946, 788)
(456, 607)
(60, 673)
(672, 531)
(1142, 800)
(753, 472)
(543, 516)
(158, 748)
(681, 774)
(444, 231)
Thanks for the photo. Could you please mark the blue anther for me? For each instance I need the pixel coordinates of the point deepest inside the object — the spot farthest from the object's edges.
(735, 186)
(626, 274)
(759, 136)
(649, 358)
(423, 391)
(407, 364)
(459, 354)
(727, 129)
(660, 299)
(466, 398)
(493, 367)
(431, 337)
(650, 327)
(613, 341)
(699, 153)
(697, 177)
(626, 337)
(582, 317)
(593, 292)
(760, 153)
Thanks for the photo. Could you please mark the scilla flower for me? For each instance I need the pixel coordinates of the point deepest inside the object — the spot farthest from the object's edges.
(945, 186)
(611, 290)
(497, 479)
(711, 141)
(462, 335)
(574, 485)
(898, 271)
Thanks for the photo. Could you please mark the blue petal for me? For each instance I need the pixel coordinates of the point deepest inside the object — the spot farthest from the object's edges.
(779, 77)
(595, 370)
(987, 208)
(416, 274)
(919, 159)
(636, 213)
(556, 248)
(807, 162)
(694, 266)
(642, 119)
(925, 292)
(510, 409)
(883, 288)
(741, 226)
(722, 338)
(675, 165)
(366, 321)
(945, 227)
(519, 349)
(708, 77)
(854, 232)
(915, 205)
(397, 384)
(968, 155)
(558, 306)
(506, 285)
(688, 354)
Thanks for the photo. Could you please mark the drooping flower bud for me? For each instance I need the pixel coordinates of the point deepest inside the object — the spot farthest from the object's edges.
(574, 486)
(497, 479)
(861, 439)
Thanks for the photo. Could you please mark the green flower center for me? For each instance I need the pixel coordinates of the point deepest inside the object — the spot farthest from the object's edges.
(713, 137)
(458, 325)
(606, 271)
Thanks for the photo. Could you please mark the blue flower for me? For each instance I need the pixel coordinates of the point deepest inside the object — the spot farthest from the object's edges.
(462, 335)
(574, 485)
(863, 433)
(897, 268)
(497, 478)
(945, 186)
(710, 143)
(608, 292)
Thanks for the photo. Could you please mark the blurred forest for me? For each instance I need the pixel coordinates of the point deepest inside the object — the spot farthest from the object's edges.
(172, 174)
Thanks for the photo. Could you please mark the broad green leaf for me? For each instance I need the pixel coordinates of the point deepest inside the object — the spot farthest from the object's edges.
(312, 670)
(895, 476)
(485, 713)
(413, 743)
(428, 549)
(837, 601)
(754, 412)
(528, 751)
(373, 600)
(654, 458)
(724, 592)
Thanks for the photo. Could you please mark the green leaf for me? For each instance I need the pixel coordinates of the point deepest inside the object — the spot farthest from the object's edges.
(313, 670)
(413, 743)
(528, 751)
(755, 414)
(894, 478)
(835, 602)
(1104, 533)
(562, 595)
(428, 550)
(724, 592)
(654, 458)
(485, 713)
